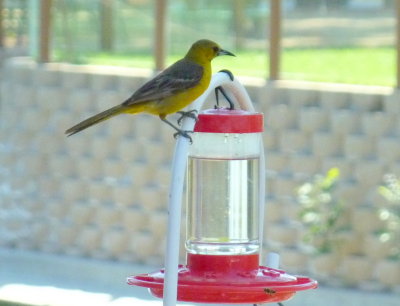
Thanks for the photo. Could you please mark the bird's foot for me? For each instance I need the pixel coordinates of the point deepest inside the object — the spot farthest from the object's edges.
(191, 114)
(221, 90)
(184, 134)
(179, 132)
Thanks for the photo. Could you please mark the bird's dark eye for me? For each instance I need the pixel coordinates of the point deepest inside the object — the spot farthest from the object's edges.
(216, 49)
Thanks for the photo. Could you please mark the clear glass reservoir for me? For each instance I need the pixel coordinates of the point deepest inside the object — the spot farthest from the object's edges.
(223, 185)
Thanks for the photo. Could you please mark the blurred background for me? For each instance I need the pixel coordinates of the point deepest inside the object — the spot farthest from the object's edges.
(358, 36)
(92, 209)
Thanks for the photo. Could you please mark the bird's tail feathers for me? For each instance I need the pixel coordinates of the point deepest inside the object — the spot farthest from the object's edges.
(111, 112)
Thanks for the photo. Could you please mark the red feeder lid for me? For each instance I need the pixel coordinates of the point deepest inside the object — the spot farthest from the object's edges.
(229, 121)
(235, 279)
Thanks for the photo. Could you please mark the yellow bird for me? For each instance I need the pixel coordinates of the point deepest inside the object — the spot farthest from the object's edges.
(168, 92)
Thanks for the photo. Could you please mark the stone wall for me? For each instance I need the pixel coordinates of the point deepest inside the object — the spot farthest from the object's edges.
(103, 193)
(311, 128)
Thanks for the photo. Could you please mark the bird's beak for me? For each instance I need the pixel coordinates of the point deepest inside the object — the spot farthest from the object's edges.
(224, 52)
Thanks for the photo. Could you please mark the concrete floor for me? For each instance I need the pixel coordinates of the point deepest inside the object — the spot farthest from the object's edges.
(41, 279)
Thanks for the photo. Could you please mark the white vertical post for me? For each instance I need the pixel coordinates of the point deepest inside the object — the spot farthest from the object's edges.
(273, 260)
(174, 222)
(262, 200)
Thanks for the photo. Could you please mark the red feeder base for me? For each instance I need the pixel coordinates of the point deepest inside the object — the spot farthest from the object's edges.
(227, 279)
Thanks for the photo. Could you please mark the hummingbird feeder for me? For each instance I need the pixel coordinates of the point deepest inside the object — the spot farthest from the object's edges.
(225, 209)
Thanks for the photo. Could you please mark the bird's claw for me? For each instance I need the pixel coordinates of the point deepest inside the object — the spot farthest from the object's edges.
(184, 134)
(222, 90)
(229, 73)
(191, 114)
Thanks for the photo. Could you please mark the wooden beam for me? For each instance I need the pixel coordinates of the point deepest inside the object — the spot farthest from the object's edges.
(45, 30)
(239, 18)
(2, 35)
(1, 24)
(106, 25)
(160, 34)
(275, 39)
(397, 7)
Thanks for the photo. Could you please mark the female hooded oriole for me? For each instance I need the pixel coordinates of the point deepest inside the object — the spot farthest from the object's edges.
(168, 92)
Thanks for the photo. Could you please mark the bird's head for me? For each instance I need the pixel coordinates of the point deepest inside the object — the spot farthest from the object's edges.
(205, 50)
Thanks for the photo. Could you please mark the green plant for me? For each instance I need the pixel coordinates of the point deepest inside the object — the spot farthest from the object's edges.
(390, 213)
(321, 211)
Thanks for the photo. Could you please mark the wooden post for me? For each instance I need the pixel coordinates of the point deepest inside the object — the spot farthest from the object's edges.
(106, 25)
(238, 22)
(45, 30)
(397, 7)
(275, 39)
(1, 24)
(160, 34)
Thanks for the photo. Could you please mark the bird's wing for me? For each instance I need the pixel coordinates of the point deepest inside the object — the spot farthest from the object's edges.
(180, 76)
